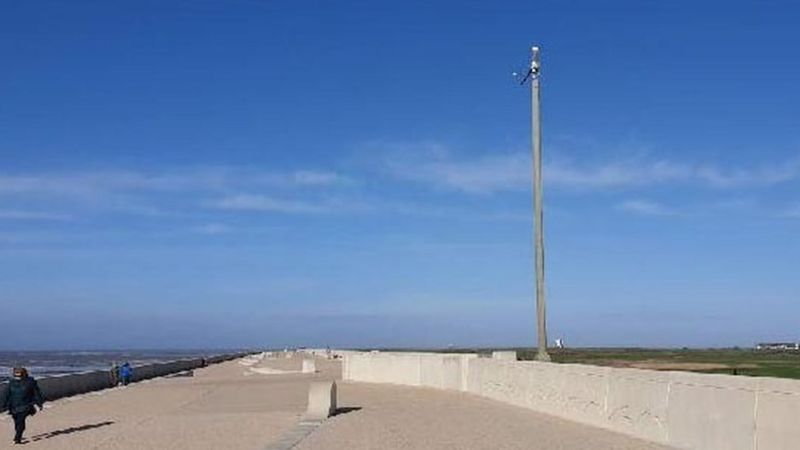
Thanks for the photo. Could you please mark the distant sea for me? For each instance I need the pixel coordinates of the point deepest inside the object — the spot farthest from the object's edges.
(50, 363)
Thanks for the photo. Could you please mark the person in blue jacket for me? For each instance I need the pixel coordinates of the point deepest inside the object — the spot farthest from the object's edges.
(126, 373)
(21, 393)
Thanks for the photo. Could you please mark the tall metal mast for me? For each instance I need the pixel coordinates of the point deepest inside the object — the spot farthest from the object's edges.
(538, 216)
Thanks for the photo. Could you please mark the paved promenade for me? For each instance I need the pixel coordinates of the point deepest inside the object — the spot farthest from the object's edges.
(398, 417)
(229, 406)
(221, 407)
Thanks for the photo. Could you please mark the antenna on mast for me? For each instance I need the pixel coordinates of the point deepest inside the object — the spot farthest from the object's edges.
(532, 72)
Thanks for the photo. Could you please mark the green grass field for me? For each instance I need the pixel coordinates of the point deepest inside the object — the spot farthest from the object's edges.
(746, 362)
(730, 361)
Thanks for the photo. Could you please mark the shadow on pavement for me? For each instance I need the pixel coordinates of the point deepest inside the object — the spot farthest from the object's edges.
(345, 410)
(69, 430)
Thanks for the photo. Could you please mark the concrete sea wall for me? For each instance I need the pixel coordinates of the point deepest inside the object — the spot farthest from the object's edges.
(441, 371)
(680, 409)
(61, 386)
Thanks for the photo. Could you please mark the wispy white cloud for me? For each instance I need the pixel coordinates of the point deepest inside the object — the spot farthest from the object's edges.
(736, 204)
(436, 165)
(241, 228)
(29, 237)
(162, 193)
(201, 192)
(765, 175)
(264, 203)
(320, 178)
(11, 214)
(642, 172)
(189, 194)
(212, 229)
(93, 183)
(646, 208)
(792, 212)
(614, 174)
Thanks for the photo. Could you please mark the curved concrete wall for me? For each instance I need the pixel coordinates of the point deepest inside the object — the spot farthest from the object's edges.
(160, 369)
(442, 371)
(62, 386)
(67, 385)
(680, 409)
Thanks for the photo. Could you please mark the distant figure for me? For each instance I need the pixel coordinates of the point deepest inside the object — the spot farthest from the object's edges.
(22, 392)
(114, 374)
(126, 373)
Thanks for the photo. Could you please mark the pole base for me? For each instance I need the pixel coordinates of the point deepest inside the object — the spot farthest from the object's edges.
(542, 356)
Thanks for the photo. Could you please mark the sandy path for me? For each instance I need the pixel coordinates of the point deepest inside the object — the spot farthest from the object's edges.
(395, 417)
(222, 406)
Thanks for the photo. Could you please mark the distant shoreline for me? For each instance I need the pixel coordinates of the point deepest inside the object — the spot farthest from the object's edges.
(48, 363)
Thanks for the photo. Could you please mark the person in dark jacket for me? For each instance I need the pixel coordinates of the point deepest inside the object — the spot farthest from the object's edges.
(126, 373)
(22, 392)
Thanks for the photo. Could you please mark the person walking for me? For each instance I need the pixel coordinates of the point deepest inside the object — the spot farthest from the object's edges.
(114, 374)
(126, 373)
(22, 392)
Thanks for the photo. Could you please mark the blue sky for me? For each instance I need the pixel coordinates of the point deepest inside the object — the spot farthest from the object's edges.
(208, 173)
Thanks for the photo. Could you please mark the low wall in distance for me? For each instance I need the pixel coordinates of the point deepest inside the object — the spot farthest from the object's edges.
(435, 370)
(148, 371)
(506, 355)
(680, 409)
(61, 386)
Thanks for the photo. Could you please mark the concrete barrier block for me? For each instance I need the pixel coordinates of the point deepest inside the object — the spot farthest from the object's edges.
(451, 372)
(584, 393)
(637, 403)
(399, 368)
(480, 376)
(474, 376)
(684, 410)
(144, 372)
(465, 359)
(494, 382)
(376, 364)
(321, 400)
(62, 386)
(505, 355)
(711, 412)
(483, 377)
(2, 396)
(431, 371)
(519, 383)
(360, 368)
(777, 413)
(309, 366)
(379, 369)
(352, 368)
(546, 381)
(441, 371)
(346, 368)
